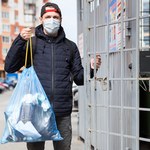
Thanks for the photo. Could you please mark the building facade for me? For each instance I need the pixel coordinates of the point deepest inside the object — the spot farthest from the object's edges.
(15, 15)
(114, 109)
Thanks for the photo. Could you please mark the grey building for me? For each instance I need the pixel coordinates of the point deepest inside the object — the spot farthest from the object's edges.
(114, 106)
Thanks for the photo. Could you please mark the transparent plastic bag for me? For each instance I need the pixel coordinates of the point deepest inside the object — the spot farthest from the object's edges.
(29, 116)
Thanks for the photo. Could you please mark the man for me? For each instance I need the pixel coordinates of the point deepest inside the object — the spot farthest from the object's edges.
(55, 66)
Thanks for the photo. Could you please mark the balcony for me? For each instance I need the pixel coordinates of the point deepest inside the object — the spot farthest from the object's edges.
(29, 12)
(29, 9)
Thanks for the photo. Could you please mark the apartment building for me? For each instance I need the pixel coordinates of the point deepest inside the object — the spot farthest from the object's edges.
(15, 15)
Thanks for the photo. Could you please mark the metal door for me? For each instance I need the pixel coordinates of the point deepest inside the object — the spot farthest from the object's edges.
(109, 102)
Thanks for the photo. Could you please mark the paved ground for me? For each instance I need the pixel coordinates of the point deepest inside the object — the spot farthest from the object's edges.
(76, 144)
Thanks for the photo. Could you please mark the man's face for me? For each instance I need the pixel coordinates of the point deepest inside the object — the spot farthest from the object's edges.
(50, 14)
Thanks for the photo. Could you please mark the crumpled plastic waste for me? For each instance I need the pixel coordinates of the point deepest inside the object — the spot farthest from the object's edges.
(23, 122)
(27, 129)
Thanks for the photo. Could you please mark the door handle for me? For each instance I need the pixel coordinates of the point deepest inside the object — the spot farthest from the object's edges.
(103, 81)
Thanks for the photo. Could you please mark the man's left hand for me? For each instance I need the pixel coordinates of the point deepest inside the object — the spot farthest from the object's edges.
(98, 62)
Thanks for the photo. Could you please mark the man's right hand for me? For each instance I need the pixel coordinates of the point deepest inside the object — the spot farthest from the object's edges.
(26, 33)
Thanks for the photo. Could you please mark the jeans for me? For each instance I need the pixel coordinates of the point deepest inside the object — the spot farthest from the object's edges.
(65, 128)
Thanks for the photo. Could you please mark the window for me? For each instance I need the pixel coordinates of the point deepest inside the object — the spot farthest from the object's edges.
(5, 50)
(28, 18)
(6, 39)
(29, 9)
(145, 7)
(146, 21)
(16, 30)
(146, 29)
(6, 28)
(147, 40)
(16, 17)
(146, 10)
(145, 24)
(5, 15)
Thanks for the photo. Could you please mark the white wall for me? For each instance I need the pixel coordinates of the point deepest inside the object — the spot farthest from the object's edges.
(69, 17)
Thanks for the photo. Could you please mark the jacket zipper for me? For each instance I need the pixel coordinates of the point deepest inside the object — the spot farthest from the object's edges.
(52, 95)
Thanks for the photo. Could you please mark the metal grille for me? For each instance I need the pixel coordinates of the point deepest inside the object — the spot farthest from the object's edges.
(110, 106)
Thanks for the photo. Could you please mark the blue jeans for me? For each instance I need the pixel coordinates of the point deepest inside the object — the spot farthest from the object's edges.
(65, 128)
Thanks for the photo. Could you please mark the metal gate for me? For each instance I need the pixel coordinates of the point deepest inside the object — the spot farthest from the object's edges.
(111, 108)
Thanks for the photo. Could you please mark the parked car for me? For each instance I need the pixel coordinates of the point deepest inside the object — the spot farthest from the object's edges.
(8, 84)
(2, 87)
(11, 83)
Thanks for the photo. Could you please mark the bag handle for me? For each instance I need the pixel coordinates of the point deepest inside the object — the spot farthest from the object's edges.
(29, 42)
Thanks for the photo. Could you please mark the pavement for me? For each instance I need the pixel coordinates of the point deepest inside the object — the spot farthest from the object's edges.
(77, 144)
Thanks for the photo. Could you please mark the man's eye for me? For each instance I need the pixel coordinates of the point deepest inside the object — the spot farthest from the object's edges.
(55, 17)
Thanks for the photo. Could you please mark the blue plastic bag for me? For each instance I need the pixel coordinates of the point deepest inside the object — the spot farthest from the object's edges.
(29, 115)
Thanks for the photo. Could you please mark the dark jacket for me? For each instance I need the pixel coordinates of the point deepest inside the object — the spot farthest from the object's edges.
(54, 65)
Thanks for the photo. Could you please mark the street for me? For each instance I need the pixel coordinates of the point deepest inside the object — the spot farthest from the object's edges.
(76, 144)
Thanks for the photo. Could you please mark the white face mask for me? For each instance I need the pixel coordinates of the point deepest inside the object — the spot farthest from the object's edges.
(51, 26)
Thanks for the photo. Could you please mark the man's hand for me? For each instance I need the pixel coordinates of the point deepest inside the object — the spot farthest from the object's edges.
(26, 33)
(98, 62)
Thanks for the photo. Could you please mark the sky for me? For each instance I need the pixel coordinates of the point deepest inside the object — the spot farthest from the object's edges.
(69, 17)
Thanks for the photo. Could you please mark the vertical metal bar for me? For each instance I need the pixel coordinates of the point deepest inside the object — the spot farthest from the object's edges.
(86, 70)
(94, 44)
(95, 88)
(122, 72)
(137, 74)
(108, 116)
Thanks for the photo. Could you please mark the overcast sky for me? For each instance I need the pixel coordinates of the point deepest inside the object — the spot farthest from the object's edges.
(69, 17)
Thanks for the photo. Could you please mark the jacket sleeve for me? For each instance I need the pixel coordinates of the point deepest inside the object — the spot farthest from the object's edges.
(77, 68)
(16, 55)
